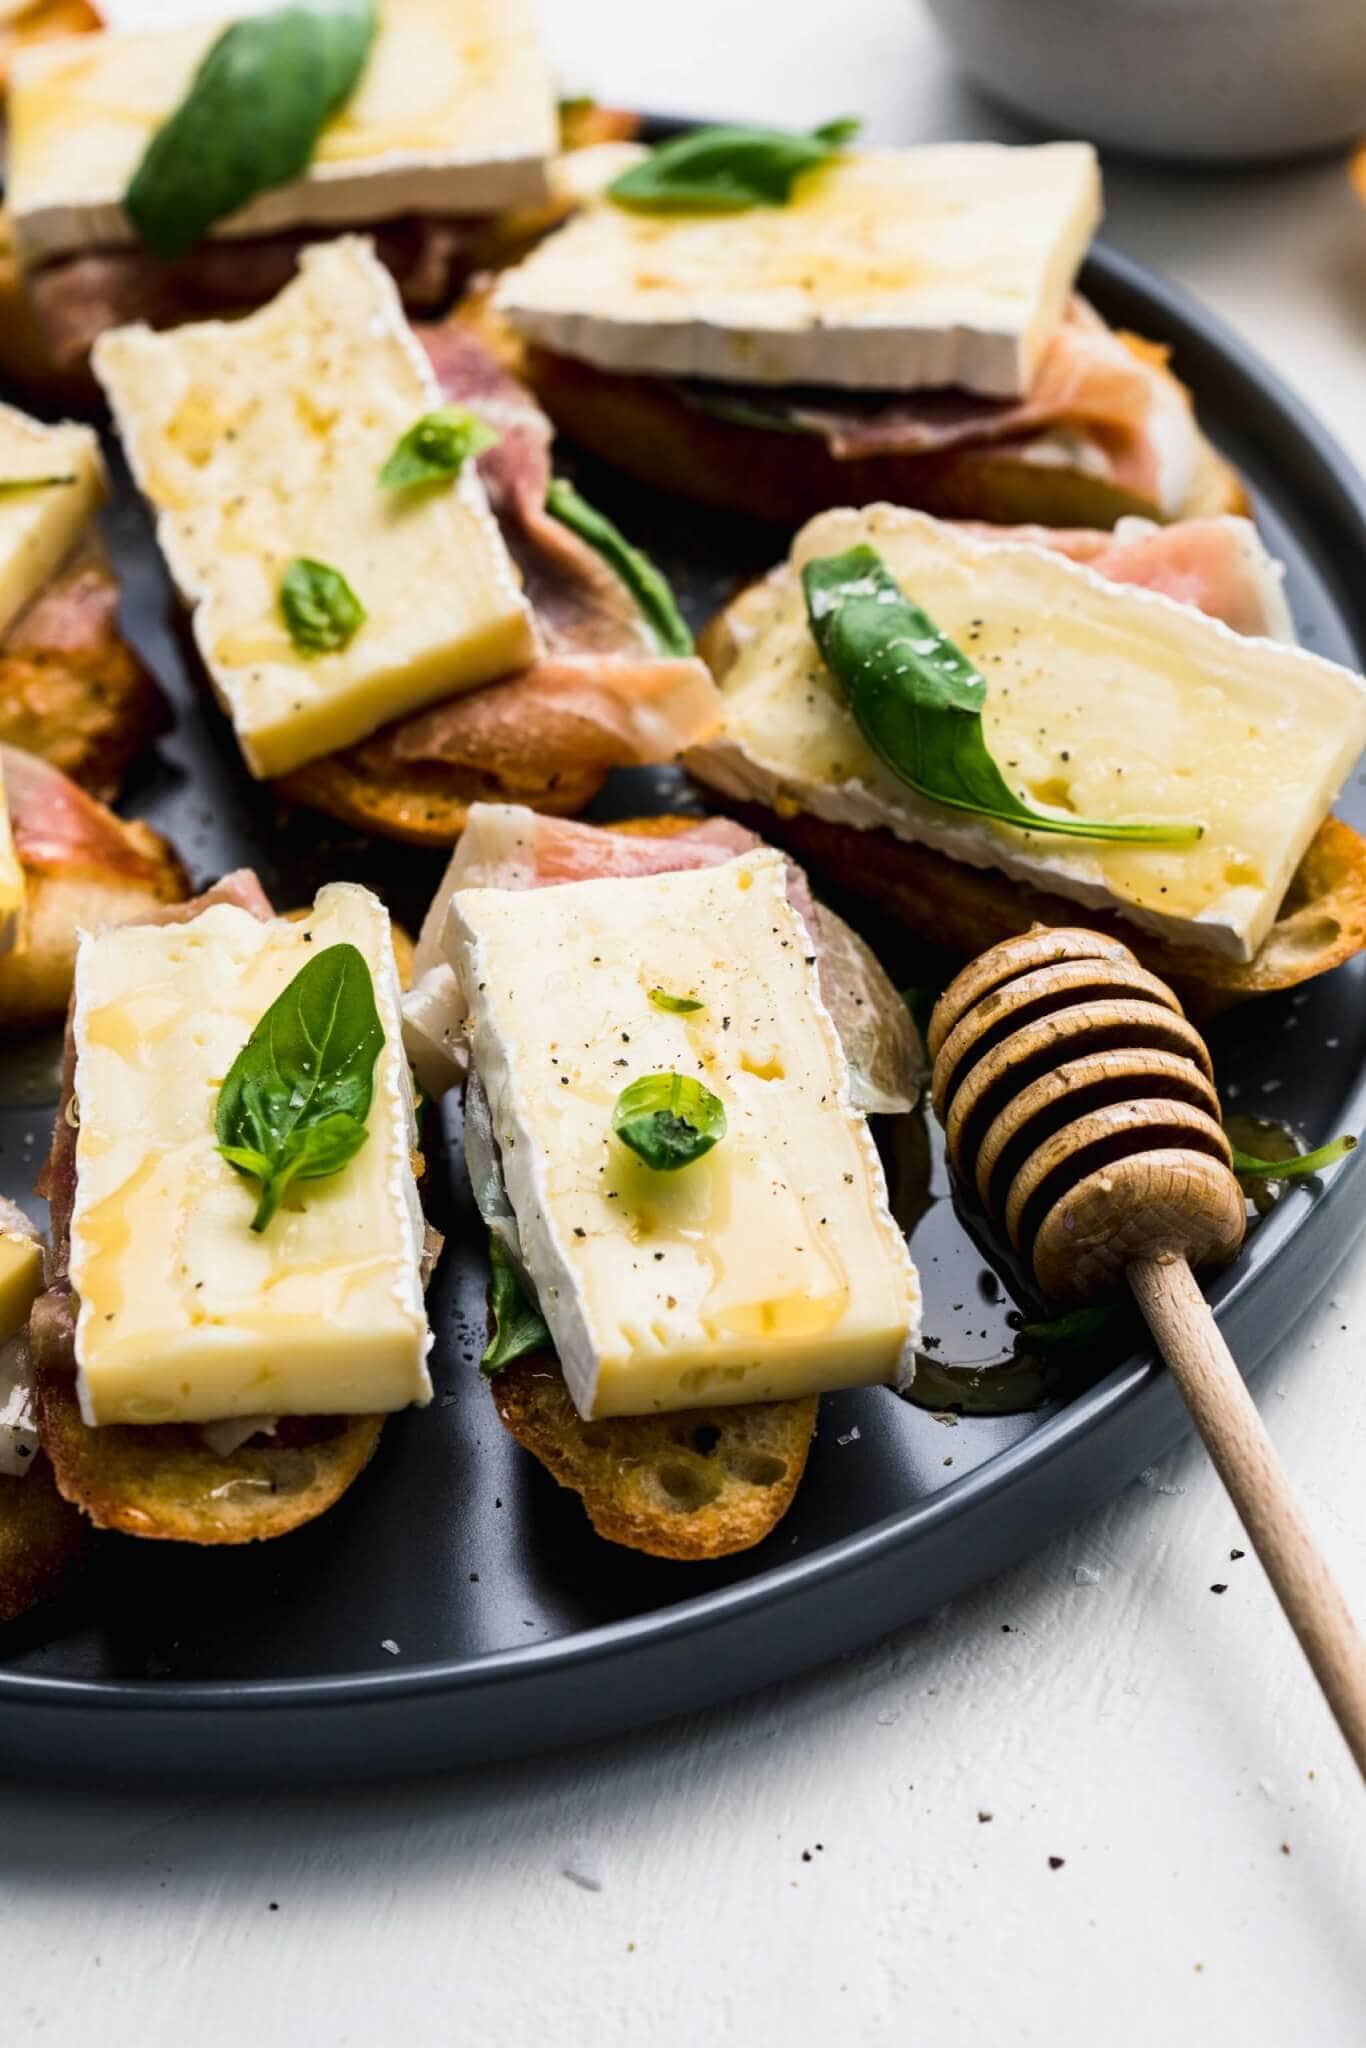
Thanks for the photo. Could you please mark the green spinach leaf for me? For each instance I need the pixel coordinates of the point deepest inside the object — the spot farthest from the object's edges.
(250, 120)
(436, 448)
(294, 1103)
(679, 1005)
(668, 1120)
(917, 700)
(727, 169)
(319, 607)
(518, 1325)
(668, 628)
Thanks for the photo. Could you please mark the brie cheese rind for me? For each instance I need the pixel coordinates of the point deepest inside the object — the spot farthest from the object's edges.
(1110, 701)
(40, 527)
(186, 1313)
(13, 889)
(769, 1268)
(453, 114)
(261, 440)
(888, 269)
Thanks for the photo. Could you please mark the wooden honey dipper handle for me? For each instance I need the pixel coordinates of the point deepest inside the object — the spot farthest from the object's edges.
(1244, 1456)
(1079, 1102)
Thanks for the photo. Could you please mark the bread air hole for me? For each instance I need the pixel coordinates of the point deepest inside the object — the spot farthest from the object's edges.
(689, 1484)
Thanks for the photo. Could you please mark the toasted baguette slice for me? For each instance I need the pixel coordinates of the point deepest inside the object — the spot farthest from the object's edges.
(686, 1486)
(40, 1540)
(71, 688)
(642, 425)
(1322, 921)
(164, 1482)
(36, 983)
(526, 764)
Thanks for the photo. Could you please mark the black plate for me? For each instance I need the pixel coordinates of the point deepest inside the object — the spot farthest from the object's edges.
(456, 1606)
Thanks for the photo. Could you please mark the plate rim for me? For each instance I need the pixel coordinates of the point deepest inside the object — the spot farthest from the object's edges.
(1190, 327)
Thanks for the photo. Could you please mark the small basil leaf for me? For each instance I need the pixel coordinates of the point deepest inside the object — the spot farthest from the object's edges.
(518, 1325)
(14, 486)
(917, 700)
(250, 119)
(294, 1102)
(668, 1120)
(667, 626)
(680, 1005)
(319, 607)
(726, 169)
(436, 448)
(1299, 1166)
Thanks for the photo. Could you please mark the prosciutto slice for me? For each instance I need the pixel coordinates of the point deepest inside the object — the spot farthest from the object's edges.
(59, 828)
(1091, 383)
(1220, 565)
(505, 846)
(601, 688)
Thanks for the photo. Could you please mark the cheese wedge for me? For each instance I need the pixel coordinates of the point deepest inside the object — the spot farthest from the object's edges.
(259, 441)
(21, 1275)
(13, 889)
(454, 114)
(770, 1267)
(1103, 699)
(889, 269)
(41, 521)
(186, 1313)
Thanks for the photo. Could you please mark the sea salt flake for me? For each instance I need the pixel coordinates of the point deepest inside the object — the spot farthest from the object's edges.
(1086, 1575)
(583, 1868)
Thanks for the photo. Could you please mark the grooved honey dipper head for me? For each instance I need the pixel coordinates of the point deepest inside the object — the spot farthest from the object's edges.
(1079, 1103)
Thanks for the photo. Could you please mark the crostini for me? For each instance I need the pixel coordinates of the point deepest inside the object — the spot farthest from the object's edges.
(1024, 734)
(232, 1166)
(400, 610)
(681, 1451)
(775, 323)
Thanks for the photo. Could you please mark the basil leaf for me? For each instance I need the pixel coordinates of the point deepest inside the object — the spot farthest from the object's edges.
(668, 1120)
(680, 1005)
(13, 486)
(319, 607)
(250, 120)
(518, 1325)
(668, 628)
(917, 700)
(726, 169)
(437, 448)
(294, 1103)
(1299, 1166)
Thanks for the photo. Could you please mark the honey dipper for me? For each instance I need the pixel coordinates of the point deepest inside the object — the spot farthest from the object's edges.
(1078, 1103)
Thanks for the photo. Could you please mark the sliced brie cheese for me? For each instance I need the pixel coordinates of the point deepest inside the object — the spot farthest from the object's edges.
(889, 269)
(186, 1313)
(260, 440)
(1104, 700)
(454, 114)
(12, 885)
(40, 526)
(769, 1268)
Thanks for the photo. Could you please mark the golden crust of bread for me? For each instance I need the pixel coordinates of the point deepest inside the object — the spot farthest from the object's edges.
(35, 983)
(641, 425)
(71, 688)
(1322, 921)
(163, 1482)
(431, 804)
(40, 1540)
(687, 1486)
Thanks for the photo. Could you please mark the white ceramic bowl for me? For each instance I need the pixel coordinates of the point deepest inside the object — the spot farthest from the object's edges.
(1219, 80)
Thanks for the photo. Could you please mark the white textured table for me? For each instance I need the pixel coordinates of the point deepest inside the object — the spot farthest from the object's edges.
(865, 1855)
